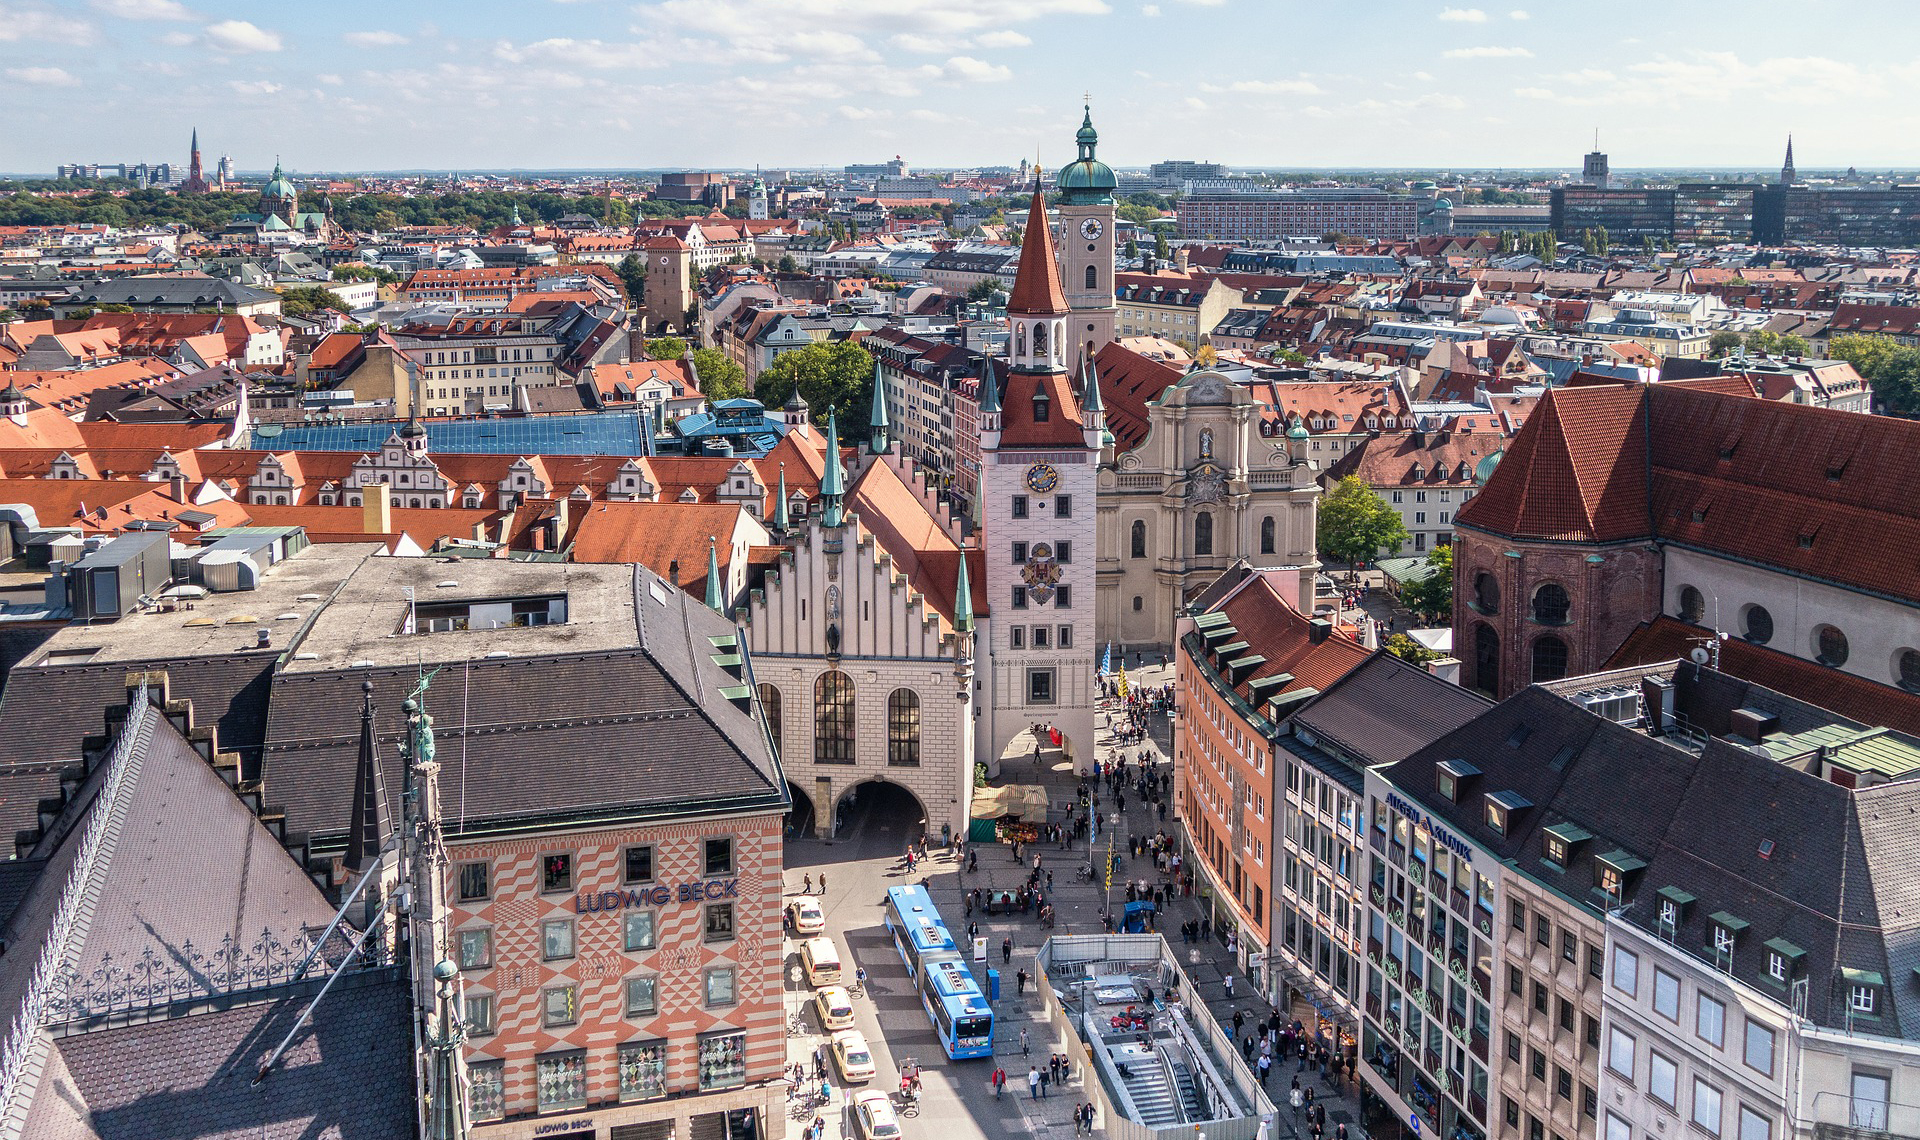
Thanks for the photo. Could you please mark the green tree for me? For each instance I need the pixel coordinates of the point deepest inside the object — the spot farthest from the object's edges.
(1409, 650)
(1793, 344)
(1892, 368)
(1356, 525)
(1723, 342)
(983, 289)
(788, 264)
(633, 277)
(358, 272)
(1133, 250)
(666, 348)
(833, 373)
(8, 316)
(1600, 237)
(1431, 597)
(720, 378)
(1159, 246)
(306, 299)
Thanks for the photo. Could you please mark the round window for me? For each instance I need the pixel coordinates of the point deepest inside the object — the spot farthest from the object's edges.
(1758, 625)
(1693, 605)
(1831, 645)
(1906, 669)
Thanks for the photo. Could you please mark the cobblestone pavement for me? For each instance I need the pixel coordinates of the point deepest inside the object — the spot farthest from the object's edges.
(1078, 907)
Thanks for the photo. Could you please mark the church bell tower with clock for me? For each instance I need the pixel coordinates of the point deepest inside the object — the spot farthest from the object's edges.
(1040, 452)
(1086, 244)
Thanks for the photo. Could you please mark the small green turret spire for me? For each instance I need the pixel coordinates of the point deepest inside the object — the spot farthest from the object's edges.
(962, 598)
(989, 388)
(881, 443)
(715, 601)
(780, 520)
(833, 484)
(1090, 397)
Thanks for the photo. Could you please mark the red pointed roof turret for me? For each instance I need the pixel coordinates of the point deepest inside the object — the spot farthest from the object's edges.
(1036, 287)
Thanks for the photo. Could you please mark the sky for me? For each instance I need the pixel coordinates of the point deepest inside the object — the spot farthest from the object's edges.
(552, 84)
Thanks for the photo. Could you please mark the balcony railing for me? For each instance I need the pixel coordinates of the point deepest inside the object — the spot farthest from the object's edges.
(1837, 1116)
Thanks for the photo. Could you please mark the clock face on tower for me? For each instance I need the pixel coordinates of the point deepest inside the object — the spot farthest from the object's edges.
(1090, 228)
(1042, 478)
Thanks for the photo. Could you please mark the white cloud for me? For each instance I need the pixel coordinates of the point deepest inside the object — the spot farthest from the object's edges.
(760, 31)
(253, 86)
(375, 39)
(1195, 102)
(177, 39)
(42, 76)
(977, 70)
(330, 79)
(1424, 76)
(1463, 15)
(924, 45)
(1519, 14)
(1488, 53)
(1205, 3)
(597, 54)
(862, 114)
(1005, 39)
(1149, 10)
(1274, 87)
(239, 35)
(21, 23)
(145, 9)
(1533, 93)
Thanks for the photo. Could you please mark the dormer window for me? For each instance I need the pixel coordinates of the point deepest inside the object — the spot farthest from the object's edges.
(1612, 871)
(1673, 909)
(1451, 776)
(1723, 932)
(1559, 842)
(1501, 807)
(1863, 992)
(1042, 407)
(1783, 960)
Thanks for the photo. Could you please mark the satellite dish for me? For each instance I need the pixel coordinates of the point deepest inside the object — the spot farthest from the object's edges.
(1700, 656)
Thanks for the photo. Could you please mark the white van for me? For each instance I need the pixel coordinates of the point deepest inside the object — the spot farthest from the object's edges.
(822, 960)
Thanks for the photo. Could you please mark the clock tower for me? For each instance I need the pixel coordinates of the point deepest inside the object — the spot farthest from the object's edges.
(1040, 453)
(1086, 244)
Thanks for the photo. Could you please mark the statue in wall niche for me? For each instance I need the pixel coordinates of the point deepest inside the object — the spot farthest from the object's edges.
(1206, 443)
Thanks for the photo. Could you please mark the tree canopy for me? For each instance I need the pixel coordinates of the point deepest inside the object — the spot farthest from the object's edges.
(307, 299)
(1355, 524)
(1891, 367)
(1431, 598)
(835, 373)
(720, 377)
(1409, 650)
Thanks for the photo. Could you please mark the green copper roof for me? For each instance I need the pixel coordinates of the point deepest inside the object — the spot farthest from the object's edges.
(878, 418)
(1297, 430)
(963, 598)
(780, 501)
(1087, 180)
(1090, 395)
(715, 601)
(833, 484)
(989, 388)
(278, 186)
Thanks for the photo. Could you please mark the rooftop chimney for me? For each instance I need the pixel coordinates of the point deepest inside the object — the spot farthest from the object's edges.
(177, 485)
(1181, 259)
(376, 509)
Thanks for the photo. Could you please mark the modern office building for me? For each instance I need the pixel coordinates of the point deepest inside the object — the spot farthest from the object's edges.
(1260, 214)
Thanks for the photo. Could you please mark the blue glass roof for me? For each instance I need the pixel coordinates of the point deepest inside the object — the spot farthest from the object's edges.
(602, 433)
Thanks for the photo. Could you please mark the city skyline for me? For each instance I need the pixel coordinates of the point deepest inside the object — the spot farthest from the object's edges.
(604, 85)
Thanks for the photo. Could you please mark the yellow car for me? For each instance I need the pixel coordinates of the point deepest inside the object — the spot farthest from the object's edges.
(834, 1006)
(806, 917)
(874, 1117)
(852, 1057)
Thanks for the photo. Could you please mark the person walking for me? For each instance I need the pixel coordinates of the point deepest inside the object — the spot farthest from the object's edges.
(823, 882)
(1006, 950)
(1033, 1082)
(1229, 984)
(1044, 1082)
(999, 1081)
(1026, 1050)
(806, 884)
(1296, 1100)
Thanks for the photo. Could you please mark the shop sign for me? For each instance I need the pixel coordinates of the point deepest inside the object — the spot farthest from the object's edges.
(1425, 823)
(591, 902)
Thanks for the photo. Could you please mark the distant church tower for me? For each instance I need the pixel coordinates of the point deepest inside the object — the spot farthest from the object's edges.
(1786, 169)
(1040, 455)
(196, 180)
(757, 202)
(279, 198)
(1086, 246)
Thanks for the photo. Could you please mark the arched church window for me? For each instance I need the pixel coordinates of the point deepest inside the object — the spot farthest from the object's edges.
(833, 718)
(1203, 533)
(1139, 538)
(1093, 278)
(1266, 535)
